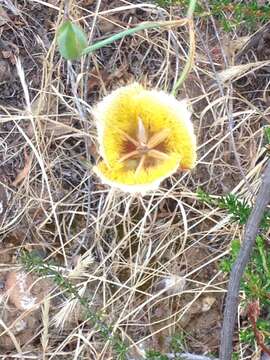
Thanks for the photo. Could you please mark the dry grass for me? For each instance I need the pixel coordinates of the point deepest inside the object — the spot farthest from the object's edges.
(149, 264)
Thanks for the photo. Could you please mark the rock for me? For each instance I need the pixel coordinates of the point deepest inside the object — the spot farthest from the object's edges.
(24, 292)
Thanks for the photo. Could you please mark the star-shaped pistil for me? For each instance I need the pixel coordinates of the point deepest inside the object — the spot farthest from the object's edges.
(145, 146)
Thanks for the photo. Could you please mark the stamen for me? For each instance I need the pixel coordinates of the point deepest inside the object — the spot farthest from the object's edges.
(129, 155)
(145, 148)
(158, 138)
(158, 155)
(129, 138)
(140, 165)
(142, 134)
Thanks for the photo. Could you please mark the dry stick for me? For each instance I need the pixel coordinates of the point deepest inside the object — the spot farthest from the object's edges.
(251, 231)
(87, 141)
(82, 116)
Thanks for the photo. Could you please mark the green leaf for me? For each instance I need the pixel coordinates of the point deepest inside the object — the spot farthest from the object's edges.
(155, 355)
(205, 197)
(71, 40)
(267, 134)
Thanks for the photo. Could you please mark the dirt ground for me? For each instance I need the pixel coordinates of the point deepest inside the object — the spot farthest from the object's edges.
(149, 265)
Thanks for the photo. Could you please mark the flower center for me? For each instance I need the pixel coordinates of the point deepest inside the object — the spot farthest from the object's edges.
(145, 147)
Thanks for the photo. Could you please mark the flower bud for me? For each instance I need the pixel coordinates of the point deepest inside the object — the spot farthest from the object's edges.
(71, 40)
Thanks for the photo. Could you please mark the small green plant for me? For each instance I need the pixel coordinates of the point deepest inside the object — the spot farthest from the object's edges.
(231, 14)
(177, 343)
(155, 355)
(226, 264)
(256, 281)
(247, 335)
(238, 209)
(32, 262)
(235, 356)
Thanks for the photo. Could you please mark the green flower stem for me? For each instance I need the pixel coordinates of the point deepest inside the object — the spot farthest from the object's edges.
(143, 26)
(191, 8)
(192, 46)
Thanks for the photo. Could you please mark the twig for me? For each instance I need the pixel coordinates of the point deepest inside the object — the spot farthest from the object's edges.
(82, 116)
(252, 228)
(253, 314)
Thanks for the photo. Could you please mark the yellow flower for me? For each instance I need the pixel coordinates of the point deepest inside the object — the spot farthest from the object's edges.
(144, 137)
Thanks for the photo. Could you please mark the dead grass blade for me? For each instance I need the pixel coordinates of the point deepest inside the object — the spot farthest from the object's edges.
(25, 171)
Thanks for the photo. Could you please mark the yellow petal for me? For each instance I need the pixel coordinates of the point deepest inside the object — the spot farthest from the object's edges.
(137, 181)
